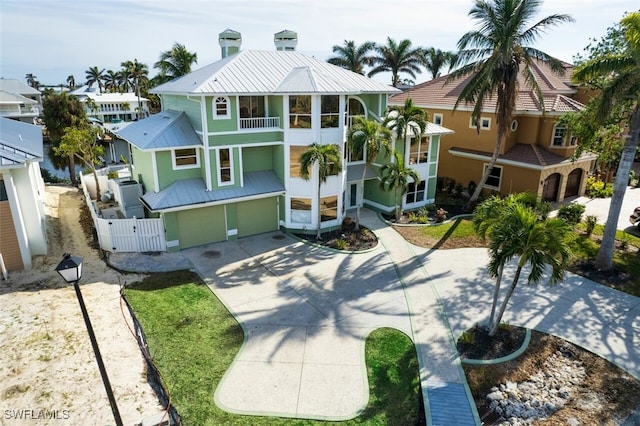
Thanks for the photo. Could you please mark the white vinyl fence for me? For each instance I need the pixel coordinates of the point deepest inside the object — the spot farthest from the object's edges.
(126, 235)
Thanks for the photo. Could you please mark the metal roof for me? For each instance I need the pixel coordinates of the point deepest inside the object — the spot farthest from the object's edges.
(191, 192)
(19, 142)
(16, 86)
(15, 98)
(165, 130)
(272, 72)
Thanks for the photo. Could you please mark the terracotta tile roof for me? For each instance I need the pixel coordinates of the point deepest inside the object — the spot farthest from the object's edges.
(438, 93)
(522, 153)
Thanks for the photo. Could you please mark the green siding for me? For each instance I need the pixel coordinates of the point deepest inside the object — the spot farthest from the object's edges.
(246, 138)
(278, 161)
(257, 158)
(171, 228)
(257, 216)
(167, 175)
(223, 125)
(274, 103)
(201, 226)
(373, 193)
(232, 219)
(372, 102)
(143, 168)
(431, 188)
(190, 107)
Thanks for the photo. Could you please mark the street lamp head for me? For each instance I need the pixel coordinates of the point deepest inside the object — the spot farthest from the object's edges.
(70, 268)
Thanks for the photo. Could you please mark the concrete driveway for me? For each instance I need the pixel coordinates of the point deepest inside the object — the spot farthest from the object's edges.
(599, 207)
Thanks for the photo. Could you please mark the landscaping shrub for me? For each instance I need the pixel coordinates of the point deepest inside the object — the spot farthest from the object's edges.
(572, 213)
(598, 189)
(590, 222)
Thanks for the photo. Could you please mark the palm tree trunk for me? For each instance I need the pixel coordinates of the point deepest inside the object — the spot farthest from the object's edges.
(496, 292)
(494, 157)
(360, 199)
(604, 258)
(319, 233)
(494, 328)
(395, 197)
(95, 177)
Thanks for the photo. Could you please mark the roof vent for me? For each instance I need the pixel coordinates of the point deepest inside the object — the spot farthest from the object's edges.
(286, 40)
(230, 42)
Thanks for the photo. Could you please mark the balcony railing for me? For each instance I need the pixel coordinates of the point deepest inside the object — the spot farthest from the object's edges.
(260, 123)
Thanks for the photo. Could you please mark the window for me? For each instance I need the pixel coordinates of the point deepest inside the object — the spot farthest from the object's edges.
(225, 175)
(415, 192)
(300, 112)
(295, 152)
(437, 119)
(301, 210)
(221, 107)
(560, 136)
(185, 158)
(3, 191)
(252, 106)
(514, 125)
(419, 152)
(485, 123)
(355, 156)
(493, 181)
(329, 111)
(329, 208)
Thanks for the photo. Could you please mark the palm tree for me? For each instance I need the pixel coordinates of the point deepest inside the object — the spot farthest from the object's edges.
(328, 160)
(71, 81)
(396, 58)
(494, 55)
(402, 119)
(139, 73)
(621, 72)
(435, 59)
(351, 57)
(176, 62)
(92, 105)
(32, 80)
(94, 75)
(369, 137)
(110, 81)
(396, 176)
(489, 213)
(123, 80)
(521, 234)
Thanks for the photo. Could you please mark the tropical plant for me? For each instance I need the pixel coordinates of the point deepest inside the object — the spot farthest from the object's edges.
(370, 138)
(110, 81)
(139, 74)
(571, 213)
(520, 234)
(396, 58)
(83, 143)
(395, 175)
(94, 75)
(327, 159)
(175, 62)
(402, 119)
(351, 56)
(619, 75)
(435, 60)
(60, 111)
(32, 81)
(494, 55)
(92, 106)
(489, 213)
(71, 82)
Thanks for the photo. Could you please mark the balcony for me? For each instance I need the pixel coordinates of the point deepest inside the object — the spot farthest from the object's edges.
(260, 123)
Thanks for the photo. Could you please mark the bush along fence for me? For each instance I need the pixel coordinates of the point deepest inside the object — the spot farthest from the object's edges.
(153, 374)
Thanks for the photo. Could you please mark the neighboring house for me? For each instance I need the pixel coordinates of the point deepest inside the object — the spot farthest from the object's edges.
(222, 160)
(111, 107)
(22, 217)
(19, 101)
(537, 154)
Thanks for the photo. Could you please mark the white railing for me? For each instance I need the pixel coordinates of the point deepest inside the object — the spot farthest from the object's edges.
(260, 123)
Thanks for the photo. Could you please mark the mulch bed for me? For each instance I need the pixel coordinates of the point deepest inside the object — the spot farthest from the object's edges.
(477, 344)
(346, 238)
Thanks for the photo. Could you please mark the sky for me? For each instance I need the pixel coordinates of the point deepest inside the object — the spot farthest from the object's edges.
(53, 39)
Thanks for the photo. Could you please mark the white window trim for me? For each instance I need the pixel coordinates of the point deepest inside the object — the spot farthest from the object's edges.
(407, 160)
(514, 125)
(566, 139)
(186, 166)
(215, 109)
(415, 192)
(435, 119)
(495, 166)
(472, 125)
(219, 168)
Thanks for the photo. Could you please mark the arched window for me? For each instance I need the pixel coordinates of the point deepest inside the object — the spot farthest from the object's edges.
(221, 107)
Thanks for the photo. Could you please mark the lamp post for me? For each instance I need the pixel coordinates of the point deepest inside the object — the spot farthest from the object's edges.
(70, 269)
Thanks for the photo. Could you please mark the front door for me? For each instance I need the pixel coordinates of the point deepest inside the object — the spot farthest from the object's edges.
(353, 195)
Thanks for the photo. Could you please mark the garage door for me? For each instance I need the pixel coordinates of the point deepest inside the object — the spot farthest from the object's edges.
(201, 226)
(257, 216)
(550, 190)
(573, 183)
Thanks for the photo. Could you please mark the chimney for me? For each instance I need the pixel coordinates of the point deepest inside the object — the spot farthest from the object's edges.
(230, 42)
(286, 40)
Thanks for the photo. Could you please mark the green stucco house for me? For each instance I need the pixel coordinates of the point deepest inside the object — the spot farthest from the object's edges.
(222, 159)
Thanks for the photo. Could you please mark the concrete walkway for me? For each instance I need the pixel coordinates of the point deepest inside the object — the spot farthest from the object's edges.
(306, 313)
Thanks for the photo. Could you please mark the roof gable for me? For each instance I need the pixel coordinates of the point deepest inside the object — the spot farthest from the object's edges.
(268, 72)
(17, 87)
(165, 130)
(19, 142)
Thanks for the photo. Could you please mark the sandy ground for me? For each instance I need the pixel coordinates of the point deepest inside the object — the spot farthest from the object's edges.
(48, 372)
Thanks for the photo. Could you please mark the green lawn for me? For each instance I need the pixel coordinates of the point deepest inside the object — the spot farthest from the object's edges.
(193, 339)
